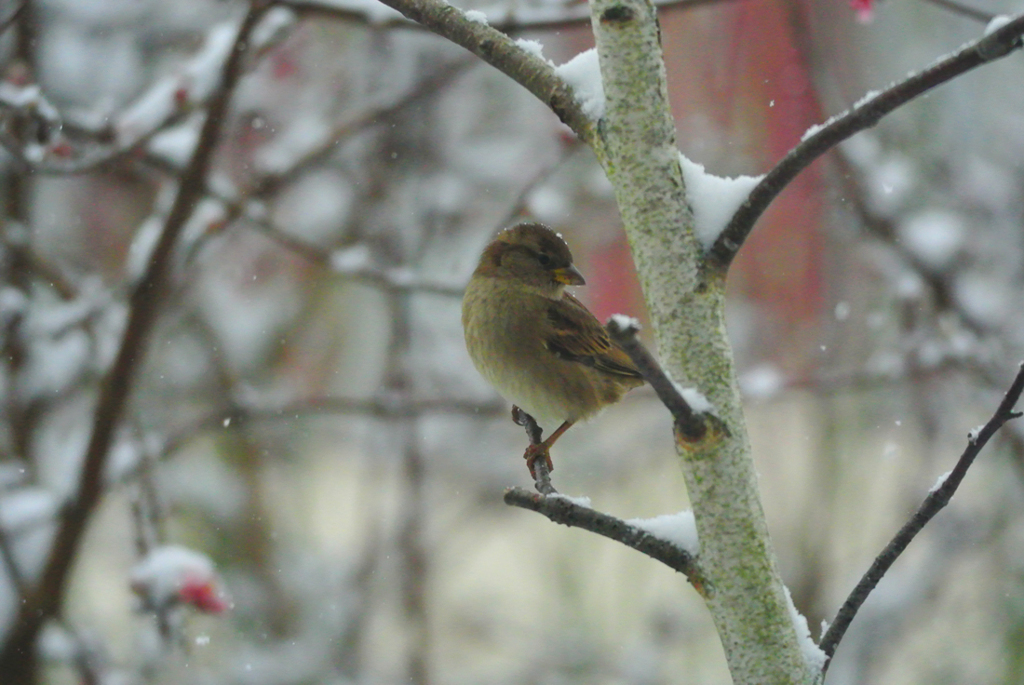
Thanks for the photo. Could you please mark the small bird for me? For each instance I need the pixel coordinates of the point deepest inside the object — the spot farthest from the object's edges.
(533, 341)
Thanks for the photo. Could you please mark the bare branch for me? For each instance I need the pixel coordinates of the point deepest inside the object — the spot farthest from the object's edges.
(933, 503)
(518, 206)
(861, 116)
(563, 510)
(690, 423)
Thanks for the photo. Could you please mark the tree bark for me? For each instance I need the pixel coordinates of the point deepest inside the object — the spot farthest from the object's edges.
(686, 301)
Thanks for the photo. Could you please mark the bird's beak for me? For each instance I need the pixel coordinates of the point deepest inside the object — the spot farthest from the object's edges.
(569, 275)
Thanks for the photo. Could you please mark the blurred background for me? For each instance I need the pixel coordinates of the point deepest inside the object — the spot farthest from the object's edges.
(304, 416)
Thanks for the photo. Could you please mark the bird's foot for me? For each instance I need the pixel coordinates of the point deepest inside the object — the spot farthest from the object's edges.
(535, 452)
(540, 470)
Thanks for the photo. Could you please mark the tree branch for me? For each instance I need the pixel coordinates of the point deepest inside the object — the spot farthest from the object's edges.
(10, 563)
(933, 504)
(534, 73)
(690, 423)
(539, 469)
(563, 510)
(686, 303)
(861, 116)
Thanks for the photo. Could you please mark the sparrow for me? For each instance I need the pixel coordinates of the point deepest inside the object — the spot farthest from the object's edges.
(539, 346)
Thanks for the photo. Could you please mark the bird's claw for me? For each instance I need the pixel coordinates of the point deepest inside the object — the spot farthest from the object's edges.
(535, 452)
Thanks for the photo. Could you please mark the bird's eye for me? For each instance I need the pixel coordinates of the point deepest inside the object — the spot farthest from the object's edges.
(544, 260)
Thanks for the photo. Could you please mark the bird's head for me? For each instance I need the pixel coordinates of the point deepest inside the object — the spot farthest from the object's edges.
(533, 255)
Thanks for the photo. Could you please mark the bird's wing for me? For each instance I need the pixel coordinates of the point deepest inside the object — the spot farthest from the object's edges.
(576, 335)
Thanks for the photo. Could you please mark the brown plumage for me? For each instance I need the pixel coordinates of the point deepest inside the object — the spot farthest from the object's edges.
(535, 343)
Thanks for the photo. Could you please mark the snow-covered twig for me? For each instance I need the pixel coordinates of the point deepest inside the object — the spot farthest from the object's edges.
(692, 424)
(865, 114)
(565, 511)
(937, 498)
(74, 150)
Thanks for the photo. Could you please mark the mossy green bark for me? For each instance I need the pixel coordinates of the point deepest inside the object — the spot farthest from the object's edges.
(686, 301)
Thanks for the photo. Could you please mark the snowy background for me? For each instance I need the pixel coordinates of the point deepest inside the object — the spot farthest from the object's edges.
(304, 485)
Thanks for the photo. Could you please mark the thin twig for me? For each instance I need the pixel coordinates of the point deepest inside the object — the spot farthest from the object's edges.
(540, 471)
(518, 206)
(561, 509)
(691, 424)
(861, 116)
(933, 503)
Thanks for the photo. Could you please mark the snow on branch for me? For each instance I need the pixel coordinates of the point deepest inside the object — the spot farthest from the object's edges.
(67, 149)
(690, 409)
(534, 73)
(938, 497)
(864, 114)
(714, 199)
(576, 514)
(172, 575)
